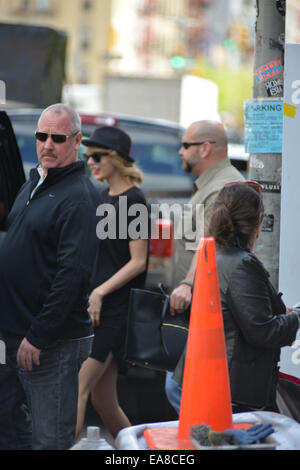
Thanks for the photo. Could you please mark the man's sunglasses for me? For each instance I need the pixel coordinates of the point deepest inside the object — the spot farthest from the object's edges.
(254, 184)
(96, 156)
(57, 138)
(186, 145)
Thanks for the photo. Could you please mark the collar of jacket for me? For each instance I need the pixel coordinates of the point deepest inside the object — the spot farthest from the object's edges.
(209, 175)
(55, 174)
(239, 246)
(235, 242)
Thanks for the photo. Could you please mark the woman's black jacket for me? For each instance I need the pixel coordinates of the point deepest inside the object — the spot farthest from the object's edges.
(256, 326)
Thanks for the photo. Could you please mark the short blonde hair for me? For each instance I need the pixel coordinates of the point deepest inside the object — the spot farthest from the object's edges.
(128, 170)
(61, 108)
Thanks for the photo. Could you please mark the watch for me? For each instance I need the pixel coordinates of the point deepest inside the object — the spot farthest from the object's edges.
(188, 283)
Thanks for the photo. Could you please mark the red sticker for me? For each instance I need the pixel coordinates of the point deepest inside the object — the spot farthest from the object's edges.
(268, 71)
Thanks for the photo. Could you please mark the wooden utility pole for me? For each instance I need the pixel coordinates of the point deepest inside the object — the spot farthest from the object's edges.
(265, 161)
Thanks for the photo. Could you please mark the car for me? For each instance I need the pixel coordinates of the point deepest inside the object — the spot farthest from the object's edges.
(12, 174)
(155, 145)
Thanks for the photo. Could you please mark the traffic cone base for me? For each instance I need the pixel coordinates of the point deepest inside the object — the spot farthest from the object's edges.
(167, 438)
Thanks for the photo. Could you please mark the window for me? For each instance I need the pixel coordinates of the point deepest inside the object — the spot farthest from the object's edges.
(87, 4)
(43, 5)
(84, 37)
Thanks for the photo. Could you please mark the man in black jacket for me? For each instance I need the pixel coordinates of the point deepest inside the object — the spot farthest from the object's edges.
(46, 261)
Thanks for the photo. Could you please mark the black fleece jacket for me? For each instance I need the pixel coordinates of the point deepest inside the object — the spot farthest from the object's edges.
(47, 256)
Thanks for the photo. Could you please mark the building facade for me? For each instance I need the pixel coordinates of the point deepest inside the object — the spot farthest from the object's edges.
(139, 37)
(86, 22)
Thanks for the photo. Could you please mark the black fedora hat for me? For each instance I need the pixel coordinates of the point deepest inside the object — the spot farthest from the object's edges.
(110, 138)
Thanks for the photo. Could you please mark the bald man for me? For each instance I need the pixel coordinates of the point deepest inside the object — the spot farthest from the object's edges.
(46, 261)
(204, 153)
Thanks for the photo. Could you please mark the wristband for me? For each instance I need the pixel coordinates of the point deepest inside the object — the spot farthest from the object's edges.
(188, 283)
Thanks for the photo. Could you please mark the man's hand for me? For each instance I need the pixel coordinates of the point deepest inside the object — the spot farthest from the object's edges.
(180, 299)
(27, 355)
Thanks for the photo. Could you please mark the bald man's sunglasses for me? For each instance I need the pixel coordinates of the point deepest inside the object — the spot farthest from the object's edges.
(186, 145)
(57, 138)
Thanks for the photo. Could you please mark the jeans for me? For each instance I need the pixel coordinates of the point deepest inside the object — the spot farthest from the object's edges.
(51, 391)
(173, 391)
(15, 421)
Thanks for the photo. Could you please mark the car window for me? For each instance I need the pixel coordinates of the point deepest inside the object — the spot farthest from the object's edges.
(153, 158)
(156, 151)
(25, 137)
(24, 128)
(240, 165)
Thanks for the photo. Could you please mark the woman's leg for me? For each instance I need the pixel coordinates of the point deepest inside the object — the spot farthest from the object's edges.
(106, 403)
(90, 373)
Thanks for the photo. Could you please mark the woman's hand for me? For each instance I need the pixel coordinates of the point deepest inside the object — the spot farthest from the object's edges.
(136, 265)
(95, 301)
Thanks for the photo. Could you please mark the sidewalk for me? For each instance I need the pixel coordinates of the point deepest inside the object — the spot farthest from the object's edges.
(92, 419)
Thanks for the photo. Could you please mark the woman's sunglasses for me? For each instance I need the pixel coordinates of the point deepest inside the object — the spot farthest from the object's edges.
(254, 184)
(96, 156)
(57, 138)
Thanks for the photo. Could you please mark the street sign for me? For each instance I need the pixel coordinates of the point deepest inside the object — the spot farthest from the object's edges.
(289, 262)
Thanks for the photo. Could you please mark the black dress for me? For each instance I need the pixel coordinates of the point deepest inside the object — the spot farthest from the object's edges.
(116, 228)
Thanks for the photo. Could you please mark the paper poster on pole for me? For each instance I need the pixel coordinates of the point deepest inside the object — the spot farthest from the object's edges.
(263, 125)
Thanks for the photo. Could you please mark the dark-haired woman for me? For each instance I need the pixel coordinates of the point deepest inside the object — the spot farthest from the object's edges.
(256, 321)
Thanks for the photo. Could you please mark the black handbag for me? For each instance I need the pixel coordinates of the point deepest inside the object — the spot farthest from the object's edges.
(155, 339)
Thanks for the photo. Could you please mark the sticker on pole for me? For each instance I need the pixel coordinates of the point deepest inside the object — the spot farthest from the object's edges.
(263, 125)
(268, 71)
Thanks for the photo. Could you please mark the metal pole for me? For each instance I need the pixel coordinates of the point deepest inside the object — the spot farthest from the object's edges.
(267, 86)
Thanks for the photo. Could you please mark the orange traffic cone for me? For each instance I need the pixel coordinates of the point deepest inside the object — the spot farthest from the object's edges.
(205, 391)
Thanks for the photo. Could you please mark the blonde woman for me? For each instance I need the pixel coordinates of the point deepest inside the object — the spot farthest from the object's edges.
(122, 264)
